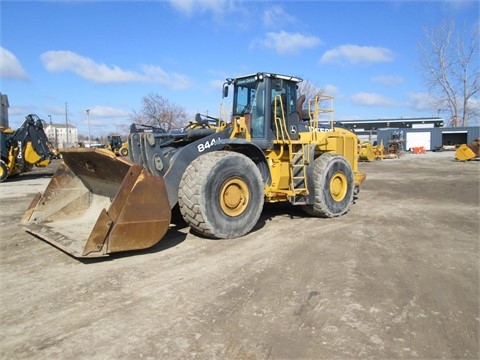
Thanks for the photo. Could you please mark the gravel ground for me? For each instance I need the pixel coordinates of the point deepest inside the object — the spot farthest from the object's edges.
(395, 278)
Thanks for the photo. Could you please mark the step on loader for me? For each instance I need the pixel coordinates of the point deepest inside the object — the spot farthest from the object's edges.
(276, 148)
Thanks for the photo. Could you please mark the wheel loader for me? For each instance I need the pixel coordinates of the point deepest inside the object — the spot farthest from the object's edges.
(24, 148)
(117, 146)
(219, 177)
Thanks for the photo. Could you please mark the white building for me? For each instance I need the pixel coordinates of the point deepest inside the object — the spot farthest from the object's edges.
(59, 137)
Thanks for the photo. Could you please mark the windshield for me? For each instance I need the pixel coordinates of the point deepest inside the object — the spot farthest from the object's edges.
(244, 96)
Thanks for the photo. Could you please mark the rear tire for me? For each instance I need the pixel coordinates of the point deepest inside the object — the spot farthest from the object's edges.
(221, 195)
(334, 186)
(124, 151)
(3, 170)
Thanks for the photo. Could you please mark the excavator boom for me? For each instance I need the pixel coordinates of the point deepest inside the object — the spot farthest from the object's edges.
(97, 204)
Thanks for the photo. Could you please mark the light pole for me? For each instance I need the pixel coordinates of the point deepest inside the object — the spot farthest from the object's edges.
(88, 122)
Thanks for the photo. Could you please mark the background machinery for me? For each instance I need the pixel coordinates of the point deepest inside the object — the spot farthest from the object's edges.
(117, 145)
(23, 148)
(369, 152)
(218, 176)
(468, 152)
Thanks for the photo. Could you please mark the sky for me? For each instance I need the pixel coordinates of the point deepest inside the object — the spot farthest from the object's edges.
(61, 58)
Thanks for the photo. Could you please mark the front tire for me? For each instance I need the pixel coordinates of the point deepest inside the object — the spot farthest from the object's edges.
(221, 195)
(124, 151)
(3, 170)
(333, 186)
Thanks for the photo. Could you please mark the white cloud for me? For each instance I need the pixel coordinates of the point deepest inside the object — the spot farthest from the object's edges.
(57, 61)
(104, 116)
(55, 110)
(184, 6)
(107, 112)
(277, 17)
(287, 43)
(474, 103)
(10, 67)
(389, 80)
(156, 74)
(217, 84)
(20, 110)
(457, 4)
(331, 90)
(422, 101)
(371, 99)
(189, 7)
(357, 54)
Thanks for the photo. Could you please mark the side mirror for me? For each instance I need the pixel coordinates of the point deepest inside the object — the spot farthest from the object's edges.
(225, 90)
(278, 85)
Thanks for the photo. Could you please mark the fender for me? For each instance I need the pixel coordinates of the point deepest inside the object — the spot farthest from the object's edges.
(214, 142)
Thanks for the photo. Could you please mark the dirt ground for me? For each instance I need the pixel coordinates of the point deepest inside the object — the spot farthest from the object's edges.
(395, 278)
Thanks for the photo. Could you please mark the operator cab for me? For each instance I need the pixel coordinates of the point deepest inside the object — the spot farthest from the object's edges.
(267, 101)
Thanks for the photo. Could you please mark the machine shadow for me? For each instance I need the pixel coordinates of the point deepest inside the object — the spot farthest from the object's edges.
(176, 234)
(172, 238)
(28, 176)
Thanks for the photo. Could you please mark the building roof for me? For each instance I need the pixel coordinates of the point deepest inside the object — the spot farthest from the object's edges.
(365, 126)
(418, 120)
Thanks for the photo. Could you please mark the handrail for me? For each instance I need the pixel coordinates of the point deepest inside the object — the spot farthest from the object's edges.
(280, 121)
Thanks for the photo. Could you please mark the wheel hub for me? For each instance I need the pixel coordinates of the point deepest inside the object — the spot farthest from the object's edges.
(338, 186)
(234, 197)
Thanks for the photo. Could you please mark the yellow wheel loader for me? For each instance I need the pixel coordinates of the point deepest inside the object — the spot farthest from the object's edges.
(220, 177)
(24, 148)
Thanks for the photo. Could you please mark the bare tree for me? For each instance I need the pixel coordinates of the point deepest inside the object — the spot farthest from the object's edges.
(449, 64)
(158, 111)
(310, 90)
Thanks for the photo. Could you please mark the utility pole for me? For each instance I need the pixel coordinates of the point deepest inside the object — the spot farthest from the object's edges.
(66, 122)
(54, 132)
(88, 121)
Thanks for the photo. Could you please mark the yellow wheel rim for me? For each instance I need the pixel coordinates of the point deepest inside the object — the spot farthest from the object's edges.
(234, 196)
(338, 186)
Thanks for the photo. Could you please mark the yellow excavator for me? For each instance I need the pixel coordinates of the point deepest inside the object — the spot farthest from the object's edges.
(219, 176)
(24, 148)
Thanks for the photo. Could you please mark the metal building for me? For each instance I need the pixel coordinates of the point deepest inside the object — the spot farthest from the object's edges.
(367, 129)
(429, 138)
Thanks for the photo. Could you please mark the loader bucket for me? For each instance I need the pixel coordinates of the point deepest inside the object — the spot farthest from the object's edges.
(97, 204)
(464, 153)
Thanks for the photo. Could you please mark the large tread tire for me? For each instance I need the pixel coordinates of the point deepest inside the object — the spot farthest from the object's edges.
(334, 186)
(3, 171)
(221, 195)
(123, 151)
